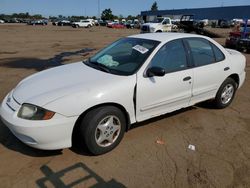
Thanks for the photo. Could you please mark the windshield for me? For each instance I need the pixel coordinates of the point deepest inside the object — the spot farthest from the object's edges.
(158, 20)
(123, 57)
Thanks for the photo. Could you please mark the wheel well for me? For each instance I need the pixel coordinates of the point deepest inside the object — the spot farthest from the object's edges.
(159, 31)
(236, 78)
(78, 121)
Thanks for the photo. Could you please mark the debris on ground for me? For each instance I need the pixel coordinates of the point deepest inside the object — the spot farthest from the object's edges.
(191, 147)
(161, 142)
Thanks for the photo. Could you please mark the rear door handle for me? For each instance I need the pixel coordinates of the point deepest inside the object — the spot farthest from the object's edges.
(226, 68)
(187, 78)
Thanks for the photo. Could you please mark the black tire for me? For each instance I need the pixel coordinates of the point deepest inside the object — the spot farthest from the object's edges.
(220, 102)
(88, 26)
(158, 31)
(89, 130)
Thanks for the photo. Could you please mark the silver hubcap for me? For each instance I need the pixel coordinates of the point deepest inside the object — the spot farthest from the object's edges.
(227, 93)
(107, 131)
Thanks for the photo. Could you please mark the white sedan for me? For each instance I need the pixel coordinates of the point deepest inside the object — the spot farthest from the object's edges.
(132, 80)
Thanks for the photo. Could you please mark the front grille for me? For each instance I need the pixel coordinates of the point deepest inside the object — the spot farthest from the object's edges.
(12, 103)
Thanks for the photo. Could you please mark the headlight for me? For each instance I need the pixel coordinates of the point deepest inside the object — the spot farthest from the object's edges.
(32, 112)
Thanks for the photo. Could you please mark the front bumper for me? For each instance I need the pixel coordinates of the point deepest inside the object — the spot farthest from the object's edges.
(46, 134)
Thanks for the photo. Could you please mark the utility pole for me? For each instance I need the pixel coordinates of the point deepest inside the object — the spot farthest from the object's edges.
(99, 16)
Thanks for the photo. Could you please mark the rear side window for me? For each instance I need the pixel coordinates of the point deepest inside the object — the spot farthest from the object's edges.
(219, 56)
(201, 51)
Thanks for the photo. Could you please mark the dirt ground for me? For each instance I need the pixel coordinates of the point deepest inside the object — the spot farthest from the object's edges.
(221, 137)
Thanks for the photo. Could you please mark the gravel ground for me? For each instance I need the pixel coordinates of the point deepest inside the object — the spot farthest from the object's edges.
(152, 154)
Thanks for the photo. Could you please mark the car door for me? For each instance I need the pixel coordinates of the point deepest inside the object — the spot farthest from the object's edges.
(161, 94)
(166, 25)
(209, 71)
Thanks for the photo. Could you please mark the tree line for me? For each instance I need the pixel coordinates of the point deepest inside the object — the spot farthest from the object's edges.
(20, 16)
(107, 14)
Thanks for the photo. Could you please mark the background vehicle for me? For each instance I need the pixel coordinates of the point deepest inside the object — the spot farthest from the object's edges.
(234, 37)
(92, 21)
(116, 25)
(82, 23)
(102, 23)
(244, 44)
(38, 22)
(159, 25)
(1, 21)
(55, 22)
(129, 24)
(188, 24)
(64, 23)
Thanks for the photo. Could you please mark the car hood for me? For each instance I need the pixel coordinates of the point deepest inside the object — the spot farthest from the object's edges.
(152, 24)
(49, 85)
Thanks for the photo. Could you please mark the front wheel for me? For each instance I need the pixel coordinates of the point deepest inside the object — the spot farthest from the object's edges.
(102, 129)
(225, 94)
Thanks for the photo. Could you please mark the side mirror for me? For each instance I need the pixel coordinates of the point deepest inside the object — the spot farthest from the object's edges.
(155, 71)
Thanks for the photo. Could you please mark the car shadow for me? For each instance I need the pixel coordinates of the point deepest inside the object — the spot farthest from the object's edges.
(83, 178)
(8, 140)
(41, 64)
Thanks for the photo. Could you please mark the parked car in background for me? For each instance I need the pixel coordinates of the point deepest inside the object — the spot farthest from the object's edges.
(117, 26)
(234, 37)
(92, 21)
(123, 21)
(130, 24)
(109, 23)
(82, 23)
(221, 23)
(38, 22)
(11, 20)
(235, 22)
(96, 22)
(161, 24)
(55, 22)
(1, 21)
(64, 23)
(244, 44)
(102, 23)
(134, 79)
(137, 24)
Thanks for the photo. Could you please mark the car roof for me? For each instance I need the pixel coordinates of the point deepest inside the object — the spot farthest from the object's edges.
(164, 37)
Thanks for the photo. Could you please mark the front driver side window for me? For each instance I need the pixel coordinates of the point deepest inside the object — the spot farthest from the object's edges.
(171, 57)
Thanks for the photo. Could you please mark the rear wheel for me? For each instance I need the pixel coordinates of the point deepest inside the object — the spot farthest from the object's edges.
(225, 94)
(102, 129)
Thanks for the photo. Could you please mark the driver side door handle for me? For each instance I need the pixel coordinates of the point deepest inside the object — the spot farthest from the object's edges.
(187, 78)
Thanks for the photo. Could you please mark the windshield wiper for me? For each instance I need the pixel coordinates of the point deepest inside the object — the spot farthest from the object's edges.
(99, 66)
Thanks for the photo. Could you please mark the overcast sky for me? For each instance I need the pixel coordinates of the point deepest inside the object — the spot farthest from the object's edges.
(90, 7)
